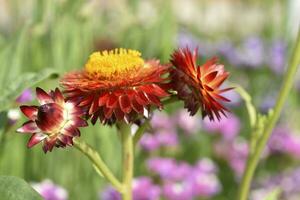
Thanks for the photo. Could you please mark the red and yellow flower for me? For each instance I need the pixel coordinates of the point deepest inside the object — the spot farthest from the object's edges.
(199, 86)
(55, 122)
(116, 85)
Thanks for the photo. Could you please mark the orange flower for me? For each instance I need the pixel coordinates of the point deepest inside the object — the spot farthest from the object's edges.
(198, 86)
(116, 85)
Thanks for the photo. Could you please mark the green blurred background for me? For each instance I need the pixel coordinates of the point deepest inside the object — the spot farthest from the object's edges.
(61, 34)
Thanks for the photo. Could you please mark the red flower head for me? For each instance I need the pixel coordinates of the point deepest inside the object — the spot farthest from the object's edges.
(116, 85)
(55, 122)
(198, 86)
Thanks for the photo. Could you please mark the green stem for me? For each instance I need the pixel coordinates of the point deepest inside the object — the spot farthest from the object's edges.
(98, 163)
(139, 133)
(128, 160)
(283, 94)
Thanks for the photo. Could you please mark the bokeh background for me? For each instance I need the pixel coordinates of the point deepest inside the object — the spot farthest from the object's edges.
(182, 157)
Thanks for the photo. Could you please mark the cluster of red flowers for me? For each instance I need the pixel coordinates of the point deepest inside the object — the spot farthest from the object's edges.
(119, 85)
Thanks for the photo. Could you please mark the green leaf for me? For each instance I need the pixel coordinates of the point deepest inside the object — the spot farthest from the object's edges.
(15, 87)
(14, 188)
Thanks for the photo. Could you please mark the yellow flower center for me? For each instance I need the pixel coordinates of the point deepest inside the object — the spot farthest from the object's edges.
(112, 64)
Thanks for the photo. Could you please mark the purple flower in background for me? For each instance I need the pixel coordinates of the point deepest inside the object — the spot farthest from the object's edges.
(149, 142)
(277, 142)
(283, 140)
(277, 57)
(50, 191)
(142, 189)
(187, 40)
(109, 194)
(178, 190)
(167, 138)
(189, 124)
(163, 133)
(227, 50)
(14, 115)
(168, 168)
(206, 165)
(204, 184)
(228, 127)
(268, 103)
(251, 53)
(26, 96)
(287, 181)
(234, 152)
(161, 120)
(164, 167)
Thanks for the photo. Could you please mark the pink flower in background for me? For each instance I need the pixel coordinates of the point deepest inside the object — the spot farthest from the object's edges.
(184, 181)
(149, 142)
(14, 115)
(178, 190)
(204, 184)
(234, 152)
(228, 127)
(206, 165)
(142, 189)
(283, 140)
(26, 96)
(189, 124)
(164, 167)
(161, 120)
(49, 191)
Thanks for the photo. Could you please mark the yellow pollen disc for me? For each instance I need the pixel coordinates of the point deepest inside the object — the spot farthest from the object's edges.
(112, 64)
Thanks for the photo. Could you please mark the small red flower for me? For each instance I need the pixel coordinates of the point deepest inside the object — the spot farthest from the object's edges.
(116, 85)
(55, 122)
(199, 86)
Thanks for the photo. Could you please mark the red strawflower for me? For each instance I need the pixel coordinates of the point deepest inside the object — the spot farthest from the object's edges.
(55, 122)
(116, 85)
(199, 86)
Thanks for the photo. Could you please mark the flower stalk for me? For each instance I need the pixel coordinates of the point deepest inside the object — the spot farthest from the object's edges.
(128, 160)
(97, 161)
(262, 141)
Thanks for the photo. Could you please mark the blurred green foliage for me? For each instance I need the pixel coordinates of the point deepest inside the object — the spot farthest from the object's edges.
(60, 35)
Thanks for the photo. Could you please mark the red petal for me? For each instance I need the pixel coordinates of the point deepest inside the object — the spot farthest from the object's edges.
(119, 114)
(103, 98)
(211, 76)
(71, 131)
(154, 99)
(58, 97)
(28, 127)
(43, 97)
(125, 104)
(141, 98)
(107, 112)
(78, 122)
(29, 111)
(137, 107)
(112, 101)
(35, 139)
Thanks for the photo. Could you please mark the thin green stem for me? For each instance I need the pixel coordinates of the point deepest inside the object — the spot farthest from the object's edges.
(283, 94)
(128, 160)
(139, 133)
(98, 163)
(248, 101)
